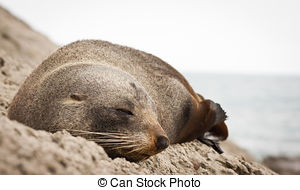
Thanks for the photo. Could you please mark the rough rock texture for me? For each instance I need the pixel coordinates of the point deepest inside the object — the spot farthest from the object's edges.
(235, 150)
(24, 150)
(283, 164)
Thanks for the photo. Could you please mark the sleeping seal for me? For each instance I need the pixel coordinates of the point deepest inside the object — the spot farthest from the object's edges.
(128, 101)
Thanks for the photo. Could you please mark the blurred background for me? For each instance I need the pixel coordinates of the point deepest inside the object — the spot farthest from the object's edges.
(242, 54)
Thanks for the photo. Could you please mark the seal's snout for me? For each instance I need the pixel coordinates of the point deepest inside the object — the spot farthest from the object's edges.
(162, 143)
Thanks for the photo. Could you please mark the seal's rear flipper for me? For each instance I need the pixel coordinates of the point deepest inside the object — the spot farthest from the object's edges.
(213, 117)
(214, 144)
(216, 129)
(217, 133)
(220, 114)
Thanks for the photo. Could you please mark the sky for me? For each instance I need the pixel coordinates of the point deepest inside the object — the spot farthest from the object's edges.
(233, 36)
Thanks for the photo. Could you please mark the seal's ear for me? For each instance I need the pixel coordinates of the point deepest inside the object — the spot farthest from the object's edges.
(78, 97)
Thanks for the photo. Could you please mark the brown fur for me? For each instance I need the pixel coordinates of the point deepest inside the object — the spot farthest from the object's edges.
(104, 73)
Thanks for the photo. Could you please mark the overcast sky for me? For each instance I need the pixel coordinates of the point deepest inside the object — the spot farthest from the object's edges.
(239, 36)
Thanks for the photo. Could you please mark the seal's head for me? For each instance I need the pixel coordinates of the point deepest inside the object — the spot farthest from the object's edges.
(101, 103)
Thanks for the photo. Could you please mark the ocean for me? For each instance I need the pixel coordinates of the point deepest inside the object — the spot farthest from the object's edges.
(263, 111)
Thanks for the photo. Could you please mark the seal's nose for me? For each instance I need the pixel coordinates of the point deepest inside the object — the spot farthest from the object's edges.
(162, 142)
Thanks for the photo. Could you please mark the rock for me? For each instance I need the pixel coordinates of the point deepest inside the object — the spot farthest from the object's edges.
(21, 50)
(229, 146)
(24, 150)
(28, 151)
(197, 158)
(283, 164)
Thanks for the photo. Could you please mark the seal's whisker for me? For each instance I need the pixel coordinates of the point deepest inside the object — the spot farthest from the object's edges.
(116, 146)
(112, 137)
(93, 133)
(122, 147)
(110, 145)
(109, 136)
(138, 150)
(111, 141)
(105, 138)
(102, 136)
(97, 133)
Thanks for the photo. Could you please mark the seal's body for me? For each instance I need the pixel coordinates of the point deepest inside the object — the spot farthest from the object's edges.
(106, 88)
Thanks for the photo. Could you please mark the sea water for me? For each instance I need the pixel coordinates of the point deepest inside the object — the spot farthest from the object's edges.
(263, 111)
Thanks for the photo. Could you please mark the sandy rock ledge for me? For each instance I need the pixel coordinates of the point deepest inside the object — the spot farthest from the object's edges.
(24, 150)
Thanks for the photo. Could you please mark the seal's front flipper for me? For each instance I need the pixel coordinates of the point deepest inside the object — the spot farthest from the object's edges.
(214, 144)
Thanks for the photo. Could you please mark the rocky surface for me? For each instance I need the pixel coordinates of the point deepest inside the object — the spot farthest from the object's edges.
(24, 150)
(283, 164)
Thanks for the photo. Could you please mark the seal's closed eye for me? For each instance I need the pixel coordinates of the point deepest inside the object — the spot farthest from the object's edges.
(78, 97)
(124, 111)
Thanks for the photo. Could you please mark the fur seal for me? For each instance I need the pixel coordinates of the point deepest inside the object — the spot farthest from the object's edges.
(130, 102)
